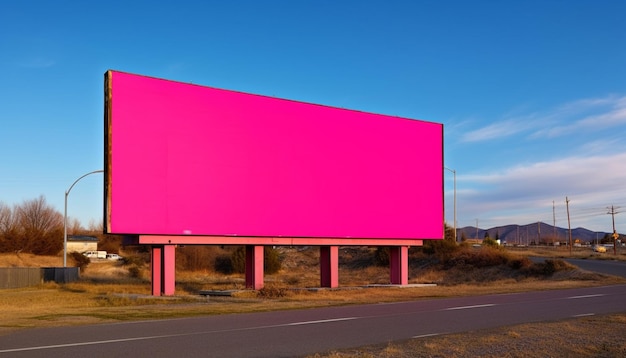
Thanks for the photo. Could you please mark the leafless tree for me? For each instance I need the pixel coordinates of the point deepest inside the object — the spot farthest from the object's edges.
(74, 227)
(41, 226)
(7, 219)
(9, 229)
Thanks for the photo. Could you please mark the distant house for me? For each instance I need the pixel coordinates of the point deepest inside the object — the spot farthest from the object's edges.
(81, 243)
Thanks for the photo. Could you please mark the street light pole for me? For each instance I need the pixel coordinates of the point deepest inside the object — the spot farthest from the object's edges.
(454, 175)
(65, 215)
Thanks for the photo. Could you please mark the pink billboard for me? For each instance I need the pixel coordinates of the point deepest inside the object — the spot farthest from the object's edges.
(184, 159)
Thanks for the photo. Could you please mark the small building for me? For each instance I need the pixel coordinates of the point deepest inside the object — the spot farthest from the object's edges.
(81, 243)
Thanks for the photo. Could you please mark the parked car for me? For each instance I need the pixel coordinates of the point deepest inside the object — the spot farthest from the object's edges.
(599, 248)
(114, 257)
(96, 254)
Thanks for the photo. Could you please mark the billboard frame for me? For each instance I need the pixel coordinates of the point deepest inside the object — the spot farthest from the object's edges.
(163, 244)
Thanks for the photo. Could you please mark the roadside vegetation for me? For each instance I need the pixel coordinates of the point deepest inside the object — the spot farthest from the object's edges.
(112, 291)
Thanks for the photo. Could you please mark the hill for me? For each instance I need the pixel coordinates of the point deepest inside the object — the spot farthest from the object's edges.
(532, 233)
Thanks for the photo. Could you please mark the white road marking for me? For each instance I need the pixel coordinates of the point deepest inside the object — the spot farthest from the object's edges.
(108, 341)
(469, 307)
(584, 315)
(321, 321)
(426, 335)
(584, 296)
(87, 343)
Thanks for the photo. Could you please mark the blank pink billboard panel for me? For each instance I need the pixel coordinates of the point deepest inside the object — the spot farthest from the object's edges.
(184, 159)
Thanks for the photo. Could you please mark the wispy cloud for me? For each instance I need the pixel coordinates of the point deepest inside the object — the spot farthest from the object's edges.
(591, 114)
(588, 115)
(495, 130)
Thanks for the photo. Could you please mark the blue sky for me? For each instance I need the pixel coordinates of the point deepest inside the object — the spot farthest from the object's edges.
(532, 94)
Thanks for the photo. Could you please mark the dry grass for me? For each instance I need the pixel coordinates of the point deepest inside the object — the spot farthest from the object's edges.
(564, 252)
(597, 336)
(29, 260)
(107, 294)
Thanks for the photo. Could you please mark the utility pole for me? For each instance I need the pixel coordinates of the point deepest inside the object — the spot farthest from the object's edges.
(538, 232)
(569, 226)
(553, 222)
(476, 229)
(615, 235)
(454, 175)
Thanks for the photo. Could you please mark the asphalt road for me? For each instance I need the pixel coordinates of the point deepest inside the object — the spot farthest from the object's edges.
(301, 332)
(609, 267)
(616, 268)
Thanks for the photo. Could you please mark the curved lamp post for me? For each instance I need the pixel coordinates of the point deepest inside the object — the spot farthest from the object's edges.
(454, 174)
(65, 215)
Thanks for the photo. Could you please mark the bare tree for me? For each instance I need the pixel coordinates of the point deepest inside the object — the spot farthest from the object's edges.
(74, 227)
(41, 226)
(7, 219)
(9, 229)
(95, 226)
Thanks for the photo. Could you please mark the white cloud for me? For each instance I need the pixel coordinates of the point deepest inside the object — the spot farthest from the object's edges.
(523, 194)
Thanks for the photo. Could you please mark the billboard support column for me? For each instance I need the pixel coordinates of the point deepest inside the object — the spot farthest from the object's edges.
(399, 265)
(169, 270)
(163, 270)
(156, 264)
(329, 266)
(254, 267)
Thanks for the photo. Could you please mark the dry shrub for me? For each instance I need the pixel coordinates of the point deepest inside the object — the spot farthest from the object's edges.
(549, 267)
(136, 264)
(236, 261)
(274, 291)
(197, 258)
(224, 264)
(519, 262)
(484, 257)
(440, 248)
(80, 260)
(381, 256)
(293, 280)
(429, 276)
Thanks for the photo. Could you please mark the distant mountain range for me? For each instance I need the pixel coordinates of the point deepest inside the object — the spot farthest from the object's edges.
(531, 233)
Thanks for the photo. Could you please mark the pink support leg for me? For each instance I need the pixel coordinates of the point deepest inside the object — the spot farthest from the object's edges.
(169, 270)
(163, 270)
(399, 265)
(329, 266)
(156, 270)
(254, 267)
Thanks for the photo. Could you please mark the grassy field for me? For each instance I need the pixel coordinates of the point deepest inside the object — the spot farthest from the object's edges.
(107, 293)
